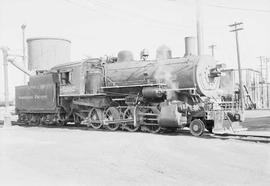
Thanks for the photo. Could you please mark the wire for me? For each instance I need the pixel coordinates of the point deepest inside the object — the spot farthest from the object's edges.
(134, 13)
(241, 9)
(130, 16)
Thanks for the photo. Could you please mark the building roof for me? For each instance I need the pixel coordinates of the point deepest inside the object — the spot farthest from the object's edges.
(247, 69)
(47, 38)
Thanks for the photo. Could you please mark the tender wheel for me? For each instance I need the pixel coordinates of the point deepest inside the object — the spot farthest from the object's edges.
(112, 114)
(60, 123)
(129, 114)
(196, 127)
(77, 120)
(95, 117)
(33, 120)
(42, 120)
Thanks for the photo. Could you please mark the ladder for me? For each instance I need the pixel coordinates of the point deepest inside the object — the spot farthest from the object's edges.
(249, 104)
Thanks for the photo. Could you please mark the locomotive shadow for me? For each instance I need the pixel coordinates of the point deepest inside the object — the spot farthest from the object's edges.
(184, 132)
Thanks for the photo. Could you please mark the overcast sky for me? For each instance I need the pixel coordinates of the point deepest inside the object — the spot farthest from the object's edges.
(99, 27)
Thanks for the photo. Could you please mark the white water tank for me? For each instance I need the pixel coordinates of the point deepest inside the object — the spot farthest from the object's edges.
(45, 52)
(190, 46)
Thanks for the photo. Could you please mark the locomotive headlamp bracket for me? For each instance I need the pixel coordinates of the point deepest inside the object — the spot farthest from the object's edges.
(216, 72)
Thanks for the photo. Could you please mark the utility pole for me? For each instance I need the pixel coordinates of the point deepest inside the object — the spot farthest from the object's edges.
(261, 80)
(261, 68)
(236, 28)
(24, 55)
(266, 81)
(212, 47)
(199, 23)
(7, 117)
(267, 60)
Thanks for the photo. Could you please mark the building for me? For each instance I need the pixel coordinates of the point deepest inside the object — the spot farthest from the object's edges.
(255, 90)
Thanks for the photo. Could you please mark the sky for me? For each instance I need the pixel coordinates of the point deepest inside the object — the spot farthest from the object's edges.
(103, 27)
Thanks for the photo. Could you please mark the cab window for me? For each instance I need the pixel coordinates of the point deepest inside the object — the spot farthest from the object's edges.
(65, 78)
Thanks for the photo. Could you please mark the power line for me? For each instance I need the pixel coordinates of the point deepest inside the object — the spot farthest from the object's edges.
(131, 14)
(240, 9)
(116, 12)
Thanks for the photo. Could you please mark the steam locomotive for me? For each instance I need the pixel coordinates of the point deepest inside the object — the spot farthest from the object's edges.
(123, 93)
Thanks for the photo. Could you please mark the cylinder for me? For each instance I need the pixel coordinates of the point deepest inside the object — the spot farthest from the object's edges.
(152, 92)
(190, 46)
(44, 53)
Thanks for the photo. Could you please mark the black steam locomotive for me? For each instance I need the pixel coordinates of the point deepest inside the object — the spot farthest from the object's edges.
(122, 93)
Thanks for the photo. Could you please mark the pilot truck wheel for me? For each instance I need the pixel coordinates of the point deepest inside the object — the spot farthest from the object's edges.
(196, 127)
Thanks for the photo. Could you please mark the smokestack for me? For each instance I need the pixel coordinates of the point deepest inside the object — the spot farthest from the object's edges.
(190, 46)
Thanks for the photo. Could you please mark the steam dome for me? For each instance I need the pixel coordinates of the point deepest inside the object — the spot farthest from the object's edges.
(124, 55)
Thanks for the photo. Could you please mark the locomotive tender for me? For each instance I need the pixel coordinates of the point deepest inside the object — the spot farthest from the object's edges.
(113, 93)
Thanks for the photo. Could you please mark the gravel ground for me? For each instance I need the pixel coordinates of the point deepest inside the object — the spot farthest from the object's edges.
(52, 156)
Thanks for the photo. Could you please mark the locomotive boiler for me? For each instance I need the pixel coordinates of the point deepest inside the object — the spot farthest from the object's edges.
(113, 93)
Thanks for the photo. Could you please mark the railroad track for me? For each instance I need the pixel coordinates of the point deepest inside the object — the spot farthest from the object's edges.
(185, 132)
(226, 136)
(243, 137)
